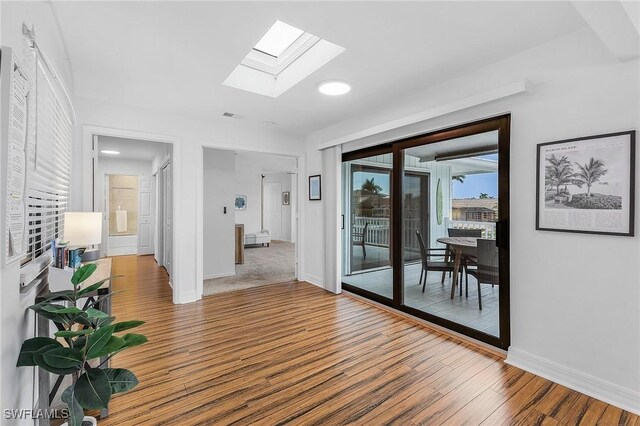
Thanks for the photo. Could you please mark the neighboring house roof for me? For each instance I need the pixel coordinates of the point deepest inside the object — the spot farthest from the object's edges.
(487, 203)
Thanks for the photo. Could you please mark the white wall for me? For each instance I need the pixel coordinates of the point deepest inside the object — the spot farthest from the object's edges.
(16, 323)
(250, 167)
(575, 299)
(219, 227)
(124, 244)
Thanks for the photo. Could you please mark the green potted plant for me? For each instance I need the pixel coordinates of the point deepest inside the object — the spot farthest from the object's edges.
(84, 337)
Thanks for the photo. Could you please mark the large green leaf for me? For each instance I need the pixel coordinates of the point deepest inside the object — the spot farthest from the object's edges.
(93, 390)
(83, 273)
(63, 357)
(82, 318)
(60, 295)
(133, 339)
(30, 346)
(96, 313)
(126, 325)
(76, 413)
(57, 318)
(61, 310)
(98, 340)
(71, 334)
(95, 286)
(112, 345)
(38, 357)
(121, 380)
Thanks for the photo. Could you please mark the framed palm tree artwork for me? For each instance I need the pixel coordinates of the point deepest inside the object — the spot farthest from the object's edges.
(587, 185)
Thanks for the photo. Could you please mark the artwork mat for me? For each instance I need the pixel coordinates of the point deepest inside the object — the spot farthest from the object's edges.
(578, 151)
(315, 188)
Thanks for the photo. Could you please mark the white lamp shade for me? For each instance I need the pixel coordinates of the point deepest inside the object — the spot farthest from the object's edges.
(83, 228)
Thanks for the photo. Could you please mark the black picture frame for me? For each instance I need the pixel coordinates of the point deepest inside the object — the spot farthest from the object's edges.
(315, 183)
(573, 211)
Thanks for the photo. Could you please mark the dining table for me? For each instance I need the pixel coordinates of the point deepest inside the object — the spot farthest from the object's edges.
(460, 246)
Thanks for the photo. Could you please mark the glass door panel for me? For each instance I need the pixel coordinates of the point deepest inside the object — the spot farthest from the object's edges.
(455, 216)
(367, 217)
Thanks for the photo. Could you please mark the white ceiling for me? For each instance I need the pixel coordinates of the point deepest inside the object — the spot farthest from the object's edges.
(130, 149)
(174, 56)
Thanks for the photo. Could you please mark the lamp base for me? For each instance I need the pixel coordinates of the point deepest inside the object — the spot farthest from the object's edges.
(90, 255)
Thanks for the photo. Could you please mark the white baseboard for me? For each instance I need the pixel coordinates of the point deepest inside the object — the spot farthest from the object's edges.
(312, 279)
(224, 274)
(122, 250)
(595, 387)
(187, 297)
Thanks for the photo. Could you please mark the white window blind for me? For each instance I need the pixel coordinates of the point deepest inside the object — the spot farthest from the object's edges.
(48, 164)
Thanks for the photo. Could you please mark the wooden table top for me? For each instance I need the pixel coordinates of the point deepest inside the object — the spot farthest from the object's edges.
(459, 241)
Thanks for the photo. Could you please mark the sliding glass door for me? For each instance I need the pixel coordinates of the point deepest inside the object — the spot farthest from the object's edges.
(426, 222)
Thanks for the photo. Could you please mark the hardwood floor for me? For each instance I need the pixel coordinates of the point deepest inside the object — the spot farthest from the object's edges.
(293, 353)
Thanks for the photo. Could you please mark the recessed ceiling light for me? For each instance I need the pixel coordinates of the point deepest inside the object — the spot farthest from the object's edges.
(110, 152)
(278, 39)
(334, 88)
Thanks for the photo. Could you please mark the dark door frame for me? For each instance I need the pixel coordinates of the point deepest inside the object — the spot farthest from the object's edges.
(502, 124)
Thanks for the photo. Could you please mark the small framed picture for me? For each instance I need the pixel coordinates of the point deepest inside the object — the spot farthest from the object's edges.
(286, 198)
(587, 185)
(315, 188)
(240, 202)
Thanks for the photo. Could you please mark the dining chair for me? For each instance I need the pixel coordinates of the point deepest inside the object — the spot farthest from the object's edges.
(466, 260)
(487, 266)
(431, 265)
(359, 239)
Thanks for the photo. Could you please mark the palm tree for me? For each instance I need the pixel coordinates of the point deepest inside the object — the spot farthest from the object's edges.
(484, 196)
(370, 186)
(459, 178)
(558, 171)
(589, 173)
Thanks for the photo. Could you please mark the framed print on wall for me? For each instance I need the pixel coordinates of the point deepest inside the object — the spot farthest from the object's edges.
(240, 202)
(587, 185)
(315, 190)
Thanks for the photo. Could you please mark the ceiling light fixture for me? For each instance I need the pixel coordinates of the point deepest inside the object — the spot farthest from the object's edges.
(110, 152)
(334, 88)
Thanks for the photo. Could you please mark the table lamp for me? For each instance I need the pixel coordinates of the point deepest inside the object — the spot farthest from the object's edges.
(84, 229)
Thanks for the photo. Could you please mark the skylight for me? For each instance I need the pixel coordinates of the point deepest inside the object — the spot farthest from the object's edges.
(278, 39)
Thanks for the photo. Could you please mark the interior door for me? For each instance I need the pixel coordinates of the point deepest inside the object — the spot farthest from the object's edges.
(272, 210)
(167, 217)
(145, 216)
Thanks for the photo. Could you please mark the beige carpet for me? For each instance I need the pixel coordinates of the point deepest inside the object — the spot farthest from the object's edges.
(262, 266)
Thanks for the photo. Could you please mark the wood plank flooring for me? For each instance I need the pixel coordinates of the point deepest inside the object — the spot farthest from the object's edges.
(294, 354)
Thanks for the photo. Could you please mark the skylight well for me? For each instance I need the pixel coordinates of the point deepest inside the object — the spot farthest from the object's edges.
(284, 56)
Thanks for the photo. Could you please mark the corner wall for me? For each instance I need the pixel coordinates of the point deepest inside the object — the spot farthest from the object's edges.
(575, 298)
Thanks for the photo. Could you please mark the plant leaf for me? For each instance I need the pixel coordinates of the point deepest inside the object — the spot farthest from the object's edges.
(25, 359)
(133, 339)
(96, 313)
(76, 413)
(95, 286)
(38, 357)
(57, 318)
(98, 340)
(83, 318)
(57, 295)
(126, 325)
(93, 390)
(61, 310)
(112, 345)
(83, 273)
(70, 333)
(121, 380)
(63, 357)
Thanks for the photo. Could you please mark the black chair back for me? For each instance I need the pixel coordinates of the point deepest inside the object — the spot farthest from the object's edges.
(457, 232)
(488, 263)
(423, 249)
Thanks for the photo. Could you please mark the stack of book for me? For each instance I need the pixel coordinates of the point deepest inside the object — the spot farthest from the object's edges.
(63, 256)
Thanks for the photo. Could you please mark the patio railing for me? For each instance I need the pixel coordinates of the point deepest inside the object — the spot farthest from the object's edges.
(378, 231)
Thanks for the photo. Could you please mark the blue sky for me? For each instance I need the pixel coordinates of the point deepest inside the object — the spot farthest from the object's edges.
(475, 184)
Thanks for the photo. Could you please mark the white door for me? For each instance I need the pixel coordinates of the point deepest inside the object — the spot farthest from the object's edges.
(167, 217)
(272, 210)
(145, 216)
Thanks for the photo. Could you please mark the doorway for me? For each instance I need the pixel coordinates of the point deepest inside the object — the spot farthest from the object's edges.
(427, 228)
